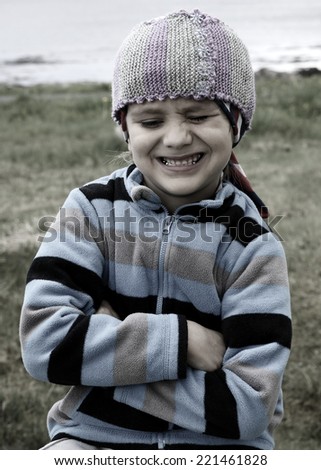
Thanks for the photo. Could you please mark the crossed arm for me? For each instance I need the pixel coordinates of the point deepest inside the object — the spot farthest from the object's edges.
(64, 341)
(205, 347)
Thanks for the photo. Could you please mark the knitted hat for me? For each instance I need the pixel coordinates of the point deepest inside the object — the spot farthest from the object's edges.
(183, 54)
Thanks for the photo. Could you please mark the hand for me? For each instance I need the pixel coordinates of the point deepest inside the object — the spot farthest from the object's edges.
(107, 309)
(205, 349)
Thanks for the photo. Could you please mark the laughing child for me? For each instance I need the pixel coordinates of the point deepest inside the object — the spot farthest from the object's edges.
(160, 294)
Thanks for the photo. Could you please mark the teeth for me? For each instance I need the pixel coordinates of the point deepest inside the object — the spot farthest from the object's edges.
(186, 162)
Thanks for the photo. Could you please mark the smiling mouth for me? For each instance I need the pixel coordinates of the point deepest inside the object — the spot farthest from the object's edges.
(182, 161)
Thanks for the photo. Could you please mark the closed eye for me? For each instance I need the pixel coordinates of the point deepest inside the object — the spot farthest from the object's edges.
(198, 118)
(151, 123)
(202, 118)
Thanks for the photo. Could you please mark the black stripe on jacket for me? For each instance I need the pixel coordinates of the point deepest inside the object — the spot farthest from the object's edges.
(100, 404)
(114, 190)
(258, 328)
(220, 407)
(65, 362)
(125, 305)
(241, 228)
(69, 274)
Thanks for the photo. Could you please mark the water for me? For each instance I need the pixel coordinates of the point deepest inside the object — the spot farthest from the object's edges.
(43, 41)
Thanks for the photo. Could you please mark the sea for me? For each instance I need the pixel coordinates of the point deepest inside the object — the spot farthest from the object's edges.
(68, 41)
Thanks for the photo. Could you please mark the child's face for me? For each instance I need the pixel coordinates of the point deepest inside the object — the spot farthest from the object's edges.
(181, 146)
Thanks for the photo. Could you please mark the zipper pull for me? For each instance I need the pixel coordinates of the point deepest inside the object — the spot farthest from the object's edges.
(168, 222)
(161, 442)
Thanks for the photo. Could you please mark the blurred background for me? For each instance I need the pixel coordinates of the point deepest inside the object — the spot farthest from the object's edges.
(56, 61)
(73, 40)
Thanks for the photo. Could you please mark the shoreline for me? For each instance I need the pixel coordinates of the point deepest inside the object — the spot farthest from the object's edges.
(88, 85)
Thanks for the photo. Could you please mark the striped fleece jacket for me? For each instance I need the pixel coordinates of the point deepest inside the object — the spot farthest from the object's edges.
(214, 262)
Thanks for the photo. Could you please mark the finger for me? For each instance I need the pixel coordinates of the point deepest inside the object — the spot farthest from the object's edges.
(106, 308)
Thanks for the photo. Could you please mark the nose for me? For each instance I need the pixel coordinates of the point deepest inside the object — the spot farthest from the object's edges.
(177, 135)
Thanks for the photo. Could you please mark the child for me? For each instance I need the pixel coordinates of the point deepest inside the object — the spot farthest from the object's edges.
(160, 294)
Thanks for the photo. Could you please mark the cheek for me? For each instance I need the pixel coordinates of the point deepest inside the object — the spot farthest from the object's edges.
(140, 145)
(227, 133)
(132, 144)
(222, 141)
(231, 137)
(138, 152)
(227, 137)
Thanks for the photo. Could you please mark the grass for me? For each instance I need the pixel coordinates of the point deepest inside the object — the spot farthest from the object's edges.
(54, 138)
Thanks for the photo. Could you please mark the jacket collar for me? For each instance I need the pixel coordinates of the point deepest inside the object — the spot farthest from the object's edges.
(147, 199)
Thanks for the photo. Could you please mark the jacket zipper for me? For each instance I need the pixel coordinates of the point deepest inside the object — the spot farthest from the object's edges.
(168, 222)
(167, 225)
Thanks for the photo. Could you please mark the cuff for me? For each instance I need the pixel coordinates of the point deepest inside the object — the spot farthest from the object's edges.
(182, 347)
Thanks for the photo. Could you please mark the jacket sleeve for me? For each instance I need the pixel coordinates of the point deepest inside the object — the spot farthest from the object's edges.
(242, 398)
(64, 340)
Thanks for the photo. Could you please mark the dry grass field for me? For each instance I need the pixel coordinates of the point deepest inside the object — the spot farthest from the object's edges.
(54, 138)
